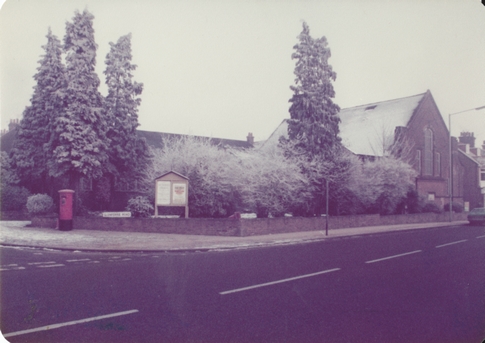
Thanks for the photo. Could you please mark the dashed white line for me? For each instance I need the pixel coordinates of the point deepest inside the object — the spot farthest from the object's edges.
(51, 265)
(11, 268)
(393, 256)
(39, 263)
(56, 326)
(445, 245)
(481, 236)
(278, 281)
(79, 260)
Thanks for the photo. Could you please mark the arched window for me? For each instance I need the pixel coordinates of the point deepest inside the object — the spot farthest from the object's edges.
(428, 152)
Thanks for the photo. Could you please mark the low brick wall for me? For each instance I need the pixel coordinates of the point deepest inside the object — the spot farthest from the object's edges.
(14, 215)
(242, 227)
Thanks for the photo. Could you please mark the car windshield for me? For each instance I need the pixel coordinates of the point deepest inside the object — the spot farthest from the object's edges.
(478, 210)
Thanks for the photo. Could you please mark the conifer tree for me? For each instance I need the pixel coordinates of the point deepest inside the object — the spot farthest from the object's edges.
(313, 123)
(31, 149)
(313, 128)
(80, 143)
(128, 152)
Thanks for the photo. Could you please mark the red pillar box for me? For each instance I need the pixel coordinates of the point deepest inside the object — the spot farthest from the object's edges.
(65, 209)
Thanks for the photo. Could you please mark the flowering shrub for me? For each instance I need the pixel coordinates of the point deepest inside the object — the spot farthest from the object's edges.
(39, 204)
(139, 206)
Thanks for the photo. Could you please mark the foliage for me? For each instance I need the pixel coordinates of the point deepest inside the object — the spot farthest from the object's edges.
(208, 167)
(139, 206)
(30, 152)
(413, 203)
(431, 206)
(79, 144)
(13, 198)
(7, 174)
(39, 204)
(128, 152)
(314, 122)
(268, 183)
(383, 184)
(455, 207)
(102, 192)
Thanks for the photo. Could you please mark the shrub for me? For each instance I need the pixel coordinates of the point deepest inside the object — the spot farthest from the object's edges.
(39, 204)
(431, 207)
(455, 207)
(139, 207)
(13, 198)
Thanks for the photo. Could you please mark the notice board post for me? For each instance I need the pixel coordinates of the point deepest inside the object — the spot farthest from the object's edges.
(172, 189)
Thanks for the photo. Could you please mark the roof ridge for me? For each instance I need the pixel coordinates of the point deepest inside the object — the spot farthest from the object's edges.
(380, 102)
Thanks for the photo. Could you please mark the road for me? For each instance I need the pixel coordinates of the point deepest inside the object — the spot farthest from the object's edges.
(412, 286)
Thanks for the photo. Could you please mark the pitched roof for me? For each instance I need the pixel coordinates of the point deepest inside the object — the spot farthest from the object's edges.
(155, 139)
(364, 129)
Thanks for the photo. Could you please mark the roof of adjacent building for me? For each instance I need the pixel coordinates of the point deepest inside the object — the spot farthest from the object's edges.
(155, 139)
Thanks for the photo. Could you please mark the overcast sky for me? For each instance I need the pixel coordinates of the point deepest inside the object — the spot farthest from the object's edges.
(223, 68)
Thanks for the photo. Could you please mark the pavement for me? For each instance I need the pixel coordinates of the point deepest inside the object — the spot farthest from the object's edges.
(19, 233)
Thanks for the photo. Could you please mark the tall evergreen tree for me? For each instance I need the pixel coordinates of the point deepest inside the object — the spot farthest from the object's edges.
(80, 143)
(31, 149)
(313, 123)
(313, 128)
(128, 152)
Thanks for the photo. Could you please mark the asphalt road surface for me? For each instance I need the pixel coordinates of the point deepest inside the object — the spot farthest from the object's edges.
(413, 286)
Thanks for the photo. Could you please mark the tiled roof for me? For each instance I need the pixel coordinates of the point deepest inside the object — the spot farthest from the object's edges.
(367, 128)
(155, 139)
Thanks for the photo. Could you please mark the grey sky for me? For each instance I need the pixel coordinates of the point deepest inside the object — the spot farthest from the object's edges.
(223, 68)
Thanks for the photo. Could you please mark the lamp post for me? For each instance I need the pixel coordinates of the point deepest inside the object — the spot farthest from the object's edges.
(450, 179)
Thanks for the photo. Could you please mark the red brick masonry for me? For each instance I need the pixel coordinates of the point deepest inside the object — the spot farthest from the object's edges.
(242, 227)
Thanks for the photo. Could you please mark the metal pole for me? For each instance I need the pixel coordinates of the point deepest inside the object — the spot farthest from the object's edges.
(450, 178)
(326, 207)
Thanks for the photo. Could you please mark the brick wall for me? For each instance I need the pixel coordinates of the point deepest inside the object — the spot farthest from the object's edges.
(242, 227)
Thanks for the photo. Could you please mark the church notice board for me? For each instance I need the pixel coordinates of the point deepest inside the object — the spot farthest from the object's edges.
(172, 189)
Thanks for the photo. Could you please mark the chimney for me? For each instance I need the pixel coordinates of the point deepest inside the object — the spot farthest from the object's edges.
(250, 139)
(13, 125)
(467, 138)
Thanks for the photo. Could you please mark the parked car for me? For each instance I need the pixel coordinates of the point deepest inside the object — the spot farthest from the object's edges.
(477, 216)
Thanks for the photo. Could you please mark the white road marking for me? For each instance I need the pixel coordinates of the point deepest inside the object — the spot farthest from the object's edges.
(444, 245)
(51, 265)
(79, 260)
(94, 262)
(481, 236)
(278, 281)
(56, 326)
(394, 256)
(37, 263)
(11, 268)
(9, 265)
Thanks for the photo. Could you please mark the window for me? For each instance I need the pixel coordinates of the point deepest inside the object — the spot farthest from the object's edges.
(418, 161)
(428, 152)
(437, 162)
(482, 176)
(431, 196)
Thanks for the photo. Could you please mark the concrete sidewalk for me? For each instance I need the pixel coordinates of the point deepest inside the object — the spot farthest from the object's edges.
(16, 233)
